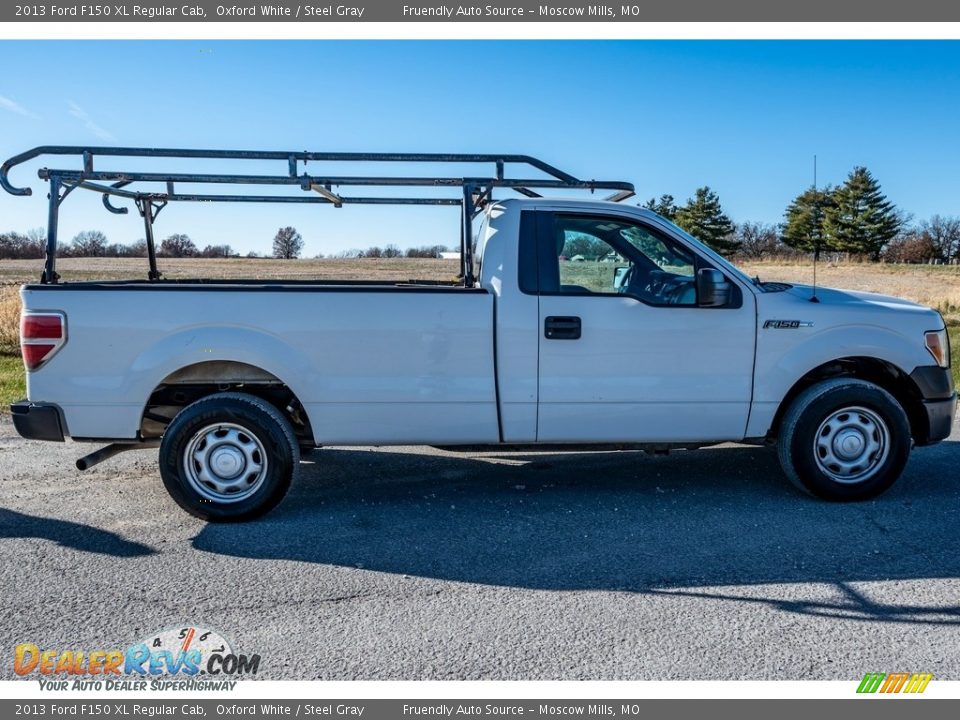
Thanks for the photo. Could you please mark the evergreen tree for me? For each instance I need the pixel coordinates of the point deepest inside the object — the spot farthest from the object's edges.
(703, 217)
(862, 219)
(665, 207)
(804, 226)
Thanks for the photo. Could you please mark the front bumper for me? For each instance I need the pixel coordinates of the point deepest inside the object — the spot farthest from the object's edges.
(939, 402)
(37, 421)
(940, 414)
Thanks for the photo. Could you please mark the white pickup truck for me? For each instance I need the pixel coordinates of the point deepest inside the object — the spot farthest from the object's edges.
(588, 322)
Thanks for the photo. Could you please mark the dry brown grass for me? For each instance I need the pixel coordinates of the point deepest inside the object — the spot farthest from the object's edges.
(9, 319)
(937, 286)
(22, 271)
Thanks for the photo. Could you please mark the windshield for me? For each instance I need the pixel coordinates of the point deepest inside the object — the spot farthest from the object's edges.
(707, 251)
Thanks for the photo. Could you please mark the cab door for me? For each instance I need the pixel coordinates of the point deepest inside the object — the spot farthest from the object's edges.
(627, 352)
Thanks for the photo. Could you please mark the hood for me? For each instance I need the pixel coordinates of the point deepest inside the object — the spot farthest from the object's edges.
(832, 296)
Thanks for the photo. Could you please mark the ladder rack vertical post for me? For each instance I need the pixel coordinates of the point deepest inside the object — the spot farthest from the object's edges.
(466, 249)
(145, 206)
(50, 275)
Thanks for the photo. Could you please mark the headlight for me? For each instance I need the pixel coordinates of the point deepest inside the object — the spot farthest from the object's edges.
(938, 344)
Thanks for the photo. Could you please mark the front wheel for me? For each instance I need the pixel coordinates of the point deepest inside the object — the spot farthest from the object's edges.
(844, 439)
(228, 457)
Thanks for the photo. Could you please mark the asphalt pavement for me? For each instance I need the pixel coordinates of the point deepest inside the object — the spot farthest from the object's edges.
(416, 563)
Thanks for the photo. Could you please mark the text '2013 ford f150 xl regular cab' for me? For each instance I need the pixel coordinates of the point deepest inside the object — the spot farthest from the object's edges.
(576, 322)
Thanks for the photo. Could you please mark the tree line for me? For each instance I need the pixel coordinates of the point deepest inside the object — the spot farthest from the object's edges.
(287, 245)
(93, 243)
(854, 217)
(394, 251)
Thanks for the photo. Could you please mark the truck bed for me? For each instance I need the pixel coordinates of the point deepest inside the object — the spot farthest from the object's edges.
(326, 341)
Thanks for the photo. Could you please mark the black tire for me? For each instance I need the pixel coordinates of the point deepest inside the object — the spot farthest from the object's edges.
(811, 443)
(228, 431)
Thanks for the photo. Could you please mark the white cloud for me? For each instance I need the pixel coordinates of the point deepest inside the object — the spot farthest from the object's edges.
(15, 107)
(80, 114)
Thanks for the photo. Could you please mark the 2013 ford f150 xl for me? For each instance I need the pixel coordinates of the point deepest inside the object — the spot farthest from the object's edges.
(587, 322)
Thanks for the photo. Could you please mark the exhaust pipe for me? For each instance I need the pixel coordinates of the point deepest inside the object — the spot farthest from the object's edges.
(105, 453)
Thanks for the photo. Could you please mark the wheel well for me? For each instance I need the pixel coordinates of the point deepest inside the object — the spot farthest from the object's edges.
(191, 383)
(880, 372)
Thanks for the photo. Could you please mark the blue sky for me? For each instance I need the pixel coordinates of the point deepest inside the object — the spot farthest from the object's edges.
(745, 118)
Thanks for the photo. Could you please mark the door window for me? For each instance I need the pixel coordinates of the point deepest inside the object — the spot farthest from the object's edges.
(609, 256)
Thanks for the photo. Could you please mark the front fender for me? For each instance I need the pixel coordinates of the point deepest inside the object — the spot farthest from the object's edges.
(785, 356)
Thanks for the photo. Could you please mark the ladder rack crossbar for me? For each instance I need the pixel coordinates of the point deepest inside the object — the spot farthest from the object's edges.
(474, 191)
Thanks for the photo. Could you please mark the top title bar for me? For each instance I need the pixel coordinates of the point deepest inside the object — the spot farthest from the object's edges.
(504, 11)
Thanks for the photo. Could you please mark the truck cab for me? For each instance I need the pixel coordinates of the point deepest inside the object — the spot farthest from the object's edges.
(644, 333)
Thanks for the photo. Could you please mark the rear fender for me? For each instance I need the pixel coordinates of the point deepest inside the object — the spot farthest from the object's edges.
(206, 344)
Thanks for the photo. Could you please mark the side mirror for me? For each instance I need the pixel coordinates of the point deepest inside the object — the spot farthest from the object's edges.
(713, 289)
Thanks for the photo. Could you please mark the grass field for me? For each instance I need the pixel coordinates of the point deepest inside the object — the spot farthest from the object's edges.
(935, 286)
(21, 271)
(13, 385)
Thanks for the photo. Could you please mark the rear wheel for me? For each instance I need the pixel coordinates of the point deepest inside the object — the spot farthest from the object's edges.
(844, 439)
(228, 457)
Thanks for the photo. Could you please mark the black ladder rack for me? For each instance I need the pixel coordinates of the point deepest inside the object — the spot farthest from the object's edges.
(474, 192)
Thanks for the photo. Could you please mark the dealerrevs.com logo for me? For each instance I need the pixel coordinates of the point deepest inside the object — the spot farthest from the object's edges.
(185, 658)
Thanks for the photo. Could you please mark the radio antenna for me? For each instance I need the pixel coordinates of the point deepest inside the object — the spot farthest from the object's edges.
(816, 231)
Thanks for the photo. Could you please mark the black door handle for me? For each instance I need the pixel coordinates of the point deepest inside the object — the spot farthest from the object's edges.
(564, 327)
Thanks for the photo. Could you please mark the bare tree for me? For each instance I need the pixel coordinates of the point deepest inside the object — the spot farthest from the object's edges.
(90, 243)
(12, 245)
(36, 242)
(944, 235)
(178, 245)
(914, 246)
(217, 251)
(756, 240)
(287, 244)
(138, 248)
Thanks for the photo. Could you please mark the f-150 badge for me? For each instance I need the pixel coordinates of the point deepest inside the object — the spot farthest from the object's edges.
(786, 324)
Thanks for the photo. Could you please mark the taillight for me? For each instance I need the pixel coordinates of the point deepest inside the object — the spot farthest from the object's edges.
(42, 334)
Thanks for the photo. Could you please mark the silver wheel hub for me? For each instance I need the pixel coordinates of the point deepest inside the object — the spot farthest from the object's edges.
(851, 444)
(225, 462)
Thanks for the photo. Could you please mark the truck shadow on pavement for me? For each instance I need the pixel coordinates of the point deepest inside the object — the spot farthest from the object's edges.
(73, 535)
(616, 521)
